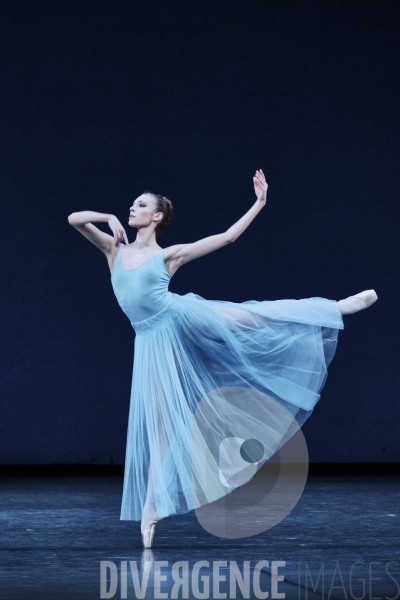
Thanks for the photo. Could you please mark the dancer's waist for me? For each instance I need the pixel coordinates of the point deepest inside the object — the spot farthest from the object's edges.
(152, 322)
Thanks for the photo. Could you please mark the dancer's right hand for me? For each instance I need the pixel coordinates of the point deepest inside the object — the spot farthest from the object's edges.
(118, 230)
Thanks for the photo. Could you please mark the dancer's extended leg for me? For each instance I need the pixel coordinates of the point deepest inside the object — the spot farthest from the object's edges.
(358, 302)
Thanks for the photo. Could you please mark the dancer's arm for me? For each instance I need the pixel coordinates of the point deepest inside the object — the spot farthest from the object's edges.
(180, 254)
(82, 222)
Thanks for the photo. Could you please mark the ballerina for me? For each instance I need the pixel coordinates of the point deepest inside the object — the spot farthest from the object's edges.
(187, 346)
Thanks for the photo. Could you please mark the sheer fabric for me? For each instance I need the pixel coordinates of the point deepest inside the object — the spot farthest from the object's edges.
(282, 348)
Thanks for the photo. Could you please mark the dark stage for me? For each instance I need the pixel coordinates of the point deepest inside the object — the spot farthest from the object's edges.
(57, 530)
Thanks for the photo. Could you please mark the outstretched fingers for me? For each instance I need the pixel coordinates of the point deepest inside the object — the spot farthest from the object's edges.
(260, 177)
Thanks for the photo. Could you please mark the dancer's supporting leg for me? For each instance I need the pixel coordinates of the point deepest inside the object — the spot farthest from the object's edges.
(149, 514)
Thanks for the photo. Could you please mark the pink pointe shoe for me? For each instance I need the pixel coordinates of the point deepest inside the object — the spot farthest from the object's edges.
(148, 532)
(351, 304)
(368, 297)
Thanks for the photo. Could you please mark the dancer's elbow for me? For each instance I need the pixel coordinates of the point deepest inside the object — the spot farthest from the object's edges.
(229, 238)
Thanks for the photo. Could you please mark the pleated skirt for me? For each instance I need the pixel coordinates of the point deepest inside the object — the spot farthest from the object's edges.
(196, 348)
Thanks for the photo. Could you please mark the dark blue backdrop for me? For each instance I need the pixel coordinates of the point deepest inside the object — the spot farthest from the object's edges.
(103, 99)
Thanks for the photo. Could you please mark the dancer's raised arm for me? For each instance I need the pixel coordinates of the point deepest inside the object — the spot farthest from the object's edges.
(82, 222)
(180, 254)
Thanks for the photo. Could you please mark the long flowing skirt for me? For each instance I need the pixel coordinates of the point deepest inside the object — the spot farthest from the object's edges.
(280, 348)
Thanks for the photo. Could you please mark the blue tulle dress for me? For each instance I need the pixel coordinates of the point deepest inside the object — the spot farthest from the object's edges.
(186, 346)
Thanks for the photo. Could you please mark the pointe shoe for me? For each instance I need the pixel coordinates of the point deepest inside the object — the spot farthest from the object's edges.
(368, 297)
(148, 532)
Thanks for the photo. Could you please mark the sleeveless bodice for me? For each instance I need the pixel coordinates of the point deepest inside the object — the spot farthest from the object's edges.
(142, 292)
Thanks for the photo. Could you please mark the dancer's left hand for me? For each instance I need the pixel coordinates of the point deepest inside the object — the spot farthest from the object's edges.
(260, 187)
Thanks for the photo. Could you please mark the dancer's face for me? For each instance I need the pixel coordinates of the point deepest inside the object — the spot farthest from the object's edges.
(142, 211)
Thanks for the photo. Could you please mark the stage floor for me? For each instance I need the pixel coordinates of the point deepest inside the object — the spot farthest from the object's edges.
(55, 531)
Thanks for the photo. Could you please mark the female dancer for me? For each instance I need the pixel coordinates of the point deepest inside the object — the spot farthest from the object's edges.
(186, 347)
